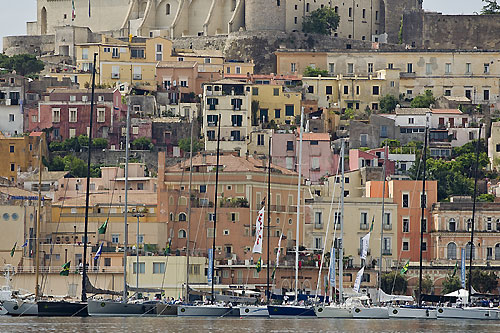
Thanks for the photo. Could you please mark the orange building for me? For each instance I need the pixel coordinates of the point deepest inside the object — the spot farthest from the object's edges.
(242, 188)
(406, 194)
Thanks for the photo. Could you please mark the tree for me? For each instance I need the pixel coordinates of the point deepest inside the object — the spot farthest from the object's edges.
(423, 101)
(491, 7)
(75, 166)
(483, 281)
(391, 143)
(388, 103)
(23, 64)
(315, 72)
(400, 285)
(427, 285)
(486, 198)
(56, 164)
(185, 145)
(83, 140)
(71, 144)
(56, 146)
(142, 143)
(451, 283)
(100, 143)
(321, 21)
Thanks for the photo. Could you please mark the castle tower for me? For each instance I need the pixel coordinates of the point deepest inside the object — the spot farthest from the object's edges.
(393, 12)
(265, 15)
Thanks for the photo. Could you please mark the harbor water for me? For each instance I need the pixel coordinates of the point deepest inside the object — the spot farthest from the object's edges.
(177, 324)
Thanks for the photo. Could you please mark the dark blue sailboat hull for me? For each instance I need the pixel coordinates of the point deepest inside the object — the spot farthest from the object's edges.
(290, 311)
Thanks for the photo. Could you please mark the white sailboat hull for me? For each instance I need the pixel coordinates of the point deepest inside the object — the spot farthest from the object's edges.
(468, 313)
(412, 313)
(254, 311)
(15, 308)
(375, 312)
(207, 311)
(332, 312)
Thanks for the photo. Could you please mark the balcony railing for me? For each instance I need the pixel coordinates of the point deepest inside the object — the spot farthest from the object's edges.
(73, 270)
(387, 226)
(363, 226)
(387, 252)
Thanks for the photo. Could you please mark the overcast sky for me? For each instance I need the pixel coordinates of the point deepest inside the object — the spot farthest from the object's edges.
(15, 14)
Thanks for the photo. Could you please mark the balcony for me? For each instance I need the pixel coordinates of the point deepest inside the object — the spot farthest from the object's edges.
(363, 226)
(387, 252)
(406, 75)
(318, 225)
(115, 75)
(387, 226)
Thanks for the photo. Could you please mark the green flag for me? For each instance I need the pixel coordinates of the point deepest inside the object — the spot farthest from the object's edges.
(455, 269)
(273, 274)
(13, 249)
(168, 247)
(373, 220)
(65, 269)
(259, 265)
(405, 267)
(103, 227)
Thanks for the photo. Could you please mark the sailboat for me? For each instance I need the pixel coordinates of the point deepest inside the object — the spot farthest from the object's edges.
(340, 310)
(77, 309)
(295, 310)
(21, 306)
(213, 309)
(418, 311)
(469, 312)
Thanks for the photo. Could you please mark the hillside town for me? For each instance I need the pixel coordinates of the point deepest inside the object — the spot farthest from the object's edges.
(202, 117)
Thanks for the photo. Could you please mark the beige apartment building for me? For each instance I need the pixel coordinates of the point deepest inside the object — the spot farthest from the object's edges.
(473, 74)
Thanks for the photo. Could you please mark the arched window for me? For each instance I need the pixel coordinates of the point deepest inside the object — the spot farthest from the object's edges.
(498, 225)
(290, 221)
(170, 200)
(497, 251)
(451, 251)
(469, 224)
(467, 252)
(452, 225)
(277, 220)
(182, 217)
(182, 201)
(182, 233)
(167, 9)
(171, 216)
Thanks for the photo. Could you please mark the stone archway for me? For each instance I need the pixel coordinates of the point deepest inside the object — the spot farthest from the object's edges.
(43, 21)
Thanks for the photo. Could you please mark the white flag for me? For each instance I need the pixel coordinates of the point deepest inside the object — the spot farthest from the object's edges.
(259, 232)
(365, 242)
(279, 251)
(357, 283)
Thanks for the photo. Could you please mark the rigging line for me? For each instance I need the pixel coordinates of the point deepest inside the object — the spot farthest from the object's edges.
(326, 235)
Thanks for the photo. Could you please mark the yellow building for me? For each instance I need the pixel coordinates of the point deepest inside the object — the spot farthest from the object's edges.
(275, 103)
(238, 67)
(21, 154)
(122, 60)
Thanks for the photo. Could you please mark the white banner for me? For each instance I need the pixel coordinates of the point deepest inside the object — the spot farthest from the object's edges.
(279, 251)
(259, 232)
(365, 242)
(357, 283)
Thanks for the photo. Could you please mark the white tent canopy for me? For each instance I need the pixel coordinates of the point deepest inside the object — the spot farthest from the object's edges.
(383, 297)
(461, 293)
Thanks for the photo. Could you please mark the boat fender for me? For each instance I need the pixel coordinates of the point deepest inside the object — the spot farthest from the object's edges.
(247, 310)
(320, 310)
(183, 310)
(427, 312)
(395, 311)
(440, 310)
(357, 310)
(103, 304)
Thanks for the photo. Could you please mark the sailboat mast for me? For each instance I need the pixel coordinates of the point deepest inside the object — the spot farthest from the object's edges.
(215, 209)
(340, 241)
(386, 153)
(297, 230)
(189, 210)
(478, 146)
(87, 194)
(423, 203)
(125, 216)
(268, 216)
(38, 214)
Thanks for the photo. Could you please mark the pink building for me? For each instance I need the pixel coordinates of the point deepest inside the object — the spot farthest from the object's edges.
(283, 150)
(67, 113)
(372, 158)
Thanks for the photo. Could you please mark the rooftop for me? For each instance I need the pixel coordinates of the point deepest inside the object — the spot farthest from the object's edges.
(108, 198)
(446, 111)
(412, 111)
(176, 64)
(315, 137)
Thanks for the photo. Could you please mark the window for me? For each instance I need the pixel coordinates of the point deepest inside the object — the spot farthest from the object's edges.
(424, 246)
(289, 110)
(289, 145)
(486, 95)
(447, 92)
(12, 167)
(255, 91)
(314, 142)
(137, 53)
(486, 68)
(158, 267)
(497, 252)
(182, 217)
(207, 60)
(140, 239)
(363, 220)
(350, 11)
(447, 68)
(452, 225)
(346, 90)
(376, 90)
(406, 246)
(293, 67)
(234, 217)
(468, 93)
(329, 90)
(115, 72)
(212, 120)
(167, 9)
(423, 222)
(101, 115)
(277, 113)
(73, 115)
(235, 136)
(260, 139)
(11, 117)
(56, 115)
(236, 103)
(467, 252)
(374, 106)
(406, 225)
(370, 66)
(406, 200)
(11, 149)
(387, 246)
(236, 120)
(142, 268)
(350, 68)
(238, 70)
(318, 243)
(203, 188)
(428, 68)
(181, 234)
(468, 68)
(409, 67)
(315, 164)
(72, 132)
(276, 91)
(115, 238)
(331, 68)
(451, 251)
(115, 53)
(85, 54)
(159, 52)
(363, 138)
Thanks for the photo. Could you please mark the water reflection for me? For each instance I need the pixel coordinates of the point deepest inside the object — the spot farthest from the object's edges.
(193, 325)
